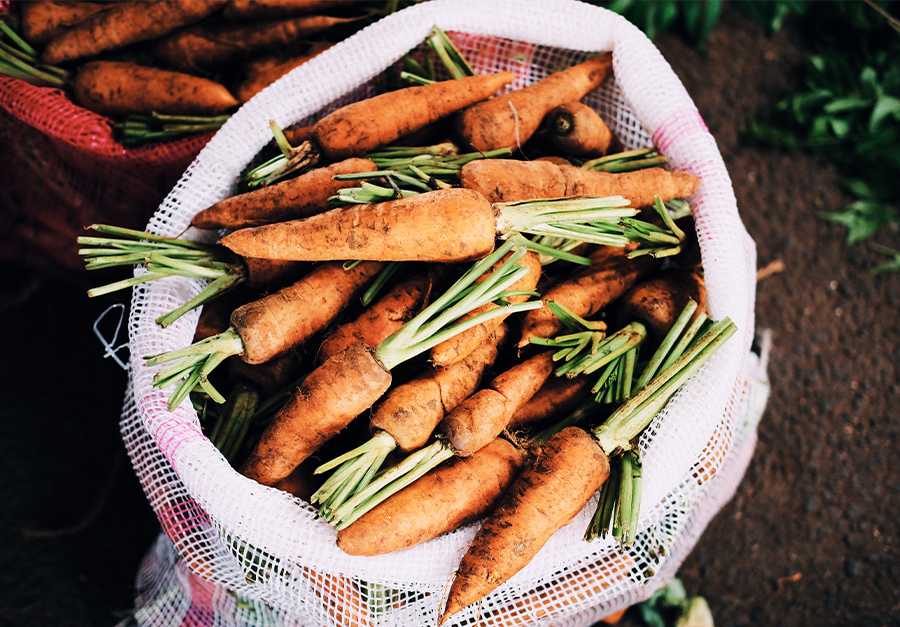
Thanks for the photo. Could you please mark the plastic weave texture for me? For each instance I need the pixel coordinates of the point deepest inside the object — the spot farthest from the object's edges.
(63, 170)
(237, 553)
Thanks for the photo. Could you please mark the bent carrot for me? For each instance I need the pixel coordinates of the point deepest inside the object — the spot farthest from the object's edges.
(126, 23)
(290, 199)
(117, 88)
(452, 495)
(508, 121)
(42, 21)
(507, 180)
(570, 468)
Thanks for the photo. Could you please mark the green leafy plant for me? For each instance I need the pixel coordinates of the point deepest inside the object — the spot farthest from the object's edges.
(670, 606)
(848, 109)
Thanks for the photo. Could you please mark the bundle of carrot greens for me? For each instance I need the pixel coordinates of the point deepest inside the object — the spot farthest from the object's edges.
(429, 345)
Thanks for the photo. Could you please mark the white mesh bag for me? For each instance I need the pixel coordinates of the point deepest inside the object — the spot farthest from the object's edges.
(236, 552)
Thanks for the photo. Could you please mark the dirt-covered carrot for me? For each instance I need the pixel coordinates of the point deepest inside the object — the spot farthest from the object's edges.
(460, 345)
(506, 180)
(117, 88)
(588, 290)
(450, 496)
(576, 129)
(508, 121)
(382, 318)
(259, 73)
(264, 9)
(558, 397)
(658, 300)
(44, 20)
(126, 23)
(291, 199)
(445, 225)
(268, 327)
(309, 419)
(208, 45)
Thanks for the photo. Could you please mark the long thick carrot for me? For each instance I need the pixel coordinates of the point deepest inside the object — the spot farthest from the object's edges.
(363, 126)
(456, 348)
(445, 225)
(42, 21)
(452, 495)
(205, 46)
(571, 467)
(507, 180)
(117, 88)
(290, 199)
(485, 415)
(587, 291)
(264, 9)
(508, 121)
(328, 399)
(126, 23)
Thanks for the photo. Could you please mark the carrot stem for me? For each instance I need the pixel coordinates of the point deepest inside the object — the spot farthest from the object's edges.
(666, 345)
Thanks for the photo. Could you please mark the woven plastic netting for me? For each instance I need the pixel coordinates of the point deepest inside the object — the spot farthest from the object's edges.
(263, 556)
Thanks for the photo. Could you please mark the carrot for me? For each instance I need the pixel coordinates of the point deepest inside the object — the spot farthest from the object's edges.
(268, 377)
(446, 498)
(290, 199)
(261, 72)
(296, 136)
(126, 23)
(445, 225)
(559, 396)
(44, 20)
(576, 129)
(117, 89)
(262, 9)
(460, 345)
(486, 414)
(506, 180)
(658, 300)
(381, 319)
(362, 126)
(508, 121)
(588, 290)
(570, 468)
(205, 46)
(269, 327)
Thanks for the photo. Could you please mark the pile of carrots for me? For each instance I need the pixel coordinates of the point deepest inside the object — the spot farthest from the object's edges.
(486, 336)
(170, 67)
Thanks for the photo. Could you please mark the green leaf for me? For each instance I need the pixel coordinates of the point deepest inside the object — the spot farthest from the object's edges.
(891, 265)
(840, 127)
(885, 107)
(851, 103)
(863, 217)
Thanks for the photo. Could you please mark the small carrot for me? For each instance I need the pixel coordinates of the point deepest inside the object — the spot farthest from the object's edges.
(126, 23)
(658, 300)
(576, 129)
(208, 45)
(290, 199)
(117, 88)
(42, 21)
(506, 180)
(508, 121)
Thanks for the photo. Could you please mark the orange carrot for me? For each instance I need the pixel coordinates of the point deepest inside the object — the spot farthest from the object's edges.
(261, 72)
(588, 290)
(557, 398)
(457, 347)
(570, 468)
(506, 180)
(576, 129)
(486, 414)
(264, 9)
(208, 45)
(44, 20)
(363, 126)
(451, 495)
(380, 319)
(117, 89)
(660, 299)
(290, 199)
(126, 23)
(508, 121)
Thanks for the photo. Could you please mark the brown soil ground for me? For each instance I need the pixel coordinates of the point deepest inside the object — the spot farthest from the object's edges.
(810, 538)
